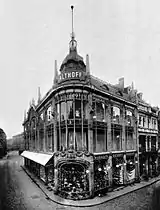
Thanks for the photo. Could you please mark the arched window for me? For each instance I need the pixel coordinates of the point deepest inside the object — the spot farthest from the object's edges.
(49, 114)
(129, 117)
(115, 114)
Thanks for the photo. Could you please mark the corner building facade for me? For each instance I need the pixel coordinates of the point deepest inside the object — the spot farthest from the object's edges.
(81, 138)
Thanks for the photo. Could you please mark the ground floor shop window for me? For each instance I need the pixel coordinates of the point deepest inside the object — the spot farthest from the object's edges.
(101, 178)
(158, 168)
(130, 169)
(42, 173)
(153, 165)
(118, 171)
(142, 165)
(73, 180)
(50, 174)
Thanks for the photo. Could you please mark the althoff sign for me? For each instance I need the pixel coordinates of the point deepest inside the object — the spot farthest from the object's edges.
(71, 75)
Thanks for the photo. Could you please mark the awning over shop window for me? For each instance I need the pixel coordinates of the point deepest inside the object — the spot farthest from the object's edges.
(40, 158)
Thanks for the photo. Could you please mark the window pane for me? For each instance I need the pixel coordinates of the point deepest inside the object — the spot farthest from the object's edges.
(78, 139)
(116, 139)
(70, 140)
(77, 108)
(100, 146)
(63, 111)
(85, 111)
(116, 114)
(85, 139)
(69, 109)
(129, 117)
(94, 140)
(129, 140)
(58, 112)
(49, 114)
(100, 111)
(63, 139)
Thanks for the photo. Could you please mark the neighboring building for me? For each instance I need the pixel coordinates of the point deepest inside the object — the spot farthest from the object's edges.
(148, 137)
(3, 143)
(16, 142)
(82, 137)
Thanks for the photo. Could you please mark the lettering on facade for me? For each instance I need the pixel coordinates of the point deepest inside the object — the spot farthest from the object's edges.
(99, 157)
(71, 96)
(70, 75)
(130, 153)
(118, 155)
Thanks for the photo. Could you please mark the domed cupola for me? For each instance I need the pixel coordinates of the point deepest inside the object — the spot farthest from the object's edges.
(73, 60)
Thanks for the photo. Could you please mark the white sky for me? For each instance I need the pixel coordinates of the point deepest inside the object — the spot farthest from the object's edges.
(122, 38)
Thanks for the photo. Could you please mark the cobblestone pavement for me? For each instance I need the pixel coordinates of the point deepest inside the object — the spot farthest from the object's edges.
(18, 192)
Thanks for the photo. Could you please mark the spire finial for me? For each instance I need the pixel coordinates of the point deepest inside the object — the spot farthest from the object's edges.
(73, 43)
(72, 22)
(87, 64)
(55, 73)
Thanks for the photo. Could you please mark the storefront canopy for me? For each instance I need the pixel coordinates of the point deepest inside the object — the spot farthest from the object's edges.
(40, 158)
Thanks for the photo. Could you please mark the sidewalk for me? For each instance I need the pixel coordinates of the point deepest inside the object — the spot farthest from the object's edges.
(89, 202)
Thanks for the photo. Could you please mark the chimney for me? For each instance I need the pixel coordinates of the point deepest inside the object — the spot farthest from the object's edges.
(87, 64)
(121, 83)
(39, 94)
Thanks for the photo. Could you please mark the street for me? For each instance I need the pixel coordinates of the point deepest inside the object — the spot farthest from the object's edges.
(17, 191)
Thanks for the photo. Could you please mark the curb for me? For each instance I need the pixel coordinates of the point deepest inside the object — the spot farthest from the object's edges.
(90, 202)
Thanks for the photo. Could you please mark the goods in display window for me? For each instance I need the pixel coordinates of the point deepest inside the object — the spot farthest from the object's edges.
(118, 171)
(42, 173)
(73, 181)
(153, 165)
(130, 169)
(101, 179)
(50, 174)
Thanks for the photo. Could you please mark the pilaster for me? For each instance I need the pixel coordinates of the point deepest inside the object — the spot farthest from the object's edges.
(108, 120)
(90, 125)
(124, 146)
(110, 170)
(124, 169)
(91, 179)
(44, 138)
(54, 126)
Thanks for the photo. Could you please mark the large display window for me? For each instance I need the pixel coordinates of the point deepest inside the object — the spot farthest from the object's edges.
(118, 170)
(130, 168)
(73, 180)
(101, 178)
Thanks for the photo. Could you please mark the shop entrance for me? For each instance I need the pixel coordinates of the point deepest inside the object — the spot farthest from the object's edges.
(73, 180)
